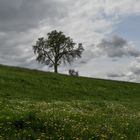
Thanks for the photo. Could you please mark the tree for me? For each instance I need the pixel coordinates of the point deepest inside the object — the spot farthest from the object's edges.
(57, 49)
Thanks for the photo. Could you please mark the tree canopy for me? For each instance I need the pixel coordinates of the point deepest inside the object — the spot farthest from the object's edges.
(56, 49)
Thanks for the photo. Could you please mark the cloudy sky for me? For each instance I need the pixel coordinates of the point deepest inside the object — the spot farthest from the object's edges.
(108, 29)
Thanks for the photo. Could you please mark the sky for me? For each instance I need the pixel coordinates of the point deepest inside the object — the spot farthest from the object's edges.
(108, 29)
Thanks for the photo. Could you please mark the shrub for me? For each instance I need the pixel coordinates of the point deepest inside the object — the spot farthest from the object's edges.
(72, 72)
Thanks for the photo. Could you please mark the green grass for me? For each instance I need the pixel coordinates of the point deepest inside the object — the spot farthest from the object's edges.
(37, 105)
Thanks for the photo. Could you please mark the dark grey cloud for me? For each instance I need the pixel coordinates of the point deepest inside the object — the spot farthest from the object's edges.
(20, 15)
(12, 52)
(10, 46)
(117, 47)
(114, 75)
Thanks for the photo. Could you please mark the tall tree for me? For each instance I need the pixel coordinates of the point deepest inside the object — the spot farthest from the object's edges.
(57, 49)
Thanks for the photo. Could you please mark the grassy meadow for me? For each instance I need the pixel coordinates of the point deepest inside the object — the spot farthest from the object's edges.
(37, 105)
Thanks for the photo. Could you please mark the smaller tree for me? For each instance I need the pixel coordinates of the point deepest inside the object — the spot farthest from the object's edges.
(72, 72)
(57, 49)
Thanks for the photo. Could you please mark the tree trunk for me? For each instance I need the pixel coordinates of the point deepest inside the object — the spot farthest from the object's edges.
(55, 68)
(55, 64)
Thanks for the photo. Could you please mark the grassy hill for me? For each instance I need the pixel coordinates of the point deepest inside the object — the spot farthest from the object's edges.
(37, 105)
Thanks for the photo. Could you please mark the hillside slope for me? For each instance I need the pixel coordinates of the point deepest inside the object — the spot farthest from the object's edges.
(43, 105)
(33, 84)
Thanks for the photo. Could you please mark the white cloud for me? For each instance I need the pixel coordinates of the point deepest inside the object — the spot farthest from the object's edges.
(131, 72)
(134, 70)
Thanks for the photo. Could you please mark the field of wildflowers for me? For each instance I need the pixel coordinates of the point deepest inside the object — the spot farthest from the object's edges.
(43, 106)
